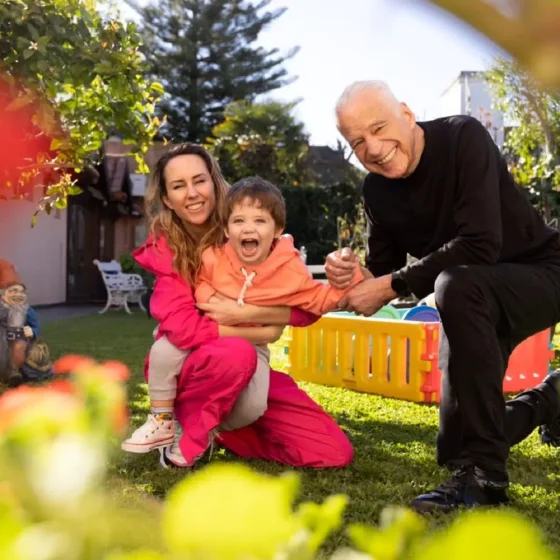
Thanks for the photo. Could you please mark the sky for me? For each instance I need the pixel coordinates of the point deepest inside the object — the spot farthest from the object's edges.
(415, 47)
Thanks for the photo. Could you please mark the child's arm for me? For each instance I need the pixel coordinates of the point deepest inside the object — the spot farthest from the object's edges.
(315, 296)
(204, 290)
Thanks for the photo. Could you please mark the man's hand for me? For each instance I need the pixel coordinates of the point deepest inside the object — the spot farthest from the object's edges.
(340, 267)
(28, 332)
(225, 311)
(369, 296)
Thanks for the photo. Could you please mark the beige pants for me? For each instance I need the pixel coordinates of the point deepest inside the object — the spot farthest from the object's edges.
(166, 361)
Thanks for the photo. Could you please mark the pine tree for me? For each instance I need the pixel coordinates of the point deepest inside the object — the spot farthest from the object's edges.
(204, 53)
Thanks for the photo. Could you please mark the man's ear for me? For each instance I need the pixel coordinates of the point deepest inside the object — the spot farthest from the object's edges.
(407, 114)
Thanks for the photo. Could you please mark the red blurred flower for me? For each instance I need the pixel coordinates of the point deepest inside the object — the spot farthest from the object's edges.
(72, 363)
(116, 370)
(62, 386)
(20, 402)
(21, 141)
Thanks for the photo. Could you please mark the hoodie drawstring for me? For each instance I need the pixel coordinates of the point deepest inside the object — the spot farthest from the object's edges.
(248, 283)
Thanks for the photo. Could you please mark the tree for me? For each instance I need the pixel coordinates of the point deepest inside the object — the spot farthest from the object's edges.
(203, 52)
(533, 145)
(68, 78)
(262, 139)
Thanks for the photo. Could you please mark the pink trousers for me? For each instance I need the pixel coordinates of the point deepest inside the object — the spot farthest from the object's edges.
(294, 430)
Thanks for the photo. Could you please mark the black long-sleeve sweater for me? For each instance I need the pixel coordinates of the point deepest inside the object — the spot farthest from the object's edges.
(460, 206)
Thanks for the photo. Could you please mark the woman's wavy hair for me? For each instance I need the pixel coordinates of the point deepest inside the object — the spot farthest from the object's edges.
(186, 247)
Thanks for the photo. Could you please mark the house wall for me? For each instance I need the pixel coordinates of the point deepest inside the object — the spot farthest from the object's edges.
(38, 253)
(450, 101)
(479, 105)
(470, 95)
(129, 234)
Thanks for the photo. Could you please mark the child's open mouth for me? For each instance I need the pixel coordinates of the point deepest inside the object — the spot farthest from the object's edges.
(249, 247)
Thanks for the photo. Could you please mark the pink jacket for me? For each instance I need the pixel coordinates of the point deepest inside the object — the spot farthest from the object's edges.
(173, 305)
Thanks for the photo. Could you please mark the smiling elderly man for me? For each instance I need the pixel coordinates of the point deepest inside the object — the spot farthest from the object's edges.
(440, 190)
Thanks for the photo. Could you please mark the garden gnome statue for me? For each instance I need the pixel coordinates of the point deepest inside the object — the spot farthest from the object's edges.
(13, 301)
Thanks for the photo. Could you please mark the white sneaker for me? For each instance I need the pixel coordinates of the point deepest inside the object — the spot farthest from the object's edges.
(153, 434)
(174, 454)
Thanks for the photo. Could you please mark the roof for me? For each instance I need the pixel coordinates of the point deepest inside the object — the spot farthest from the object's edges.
(328, 166)
(479, 74)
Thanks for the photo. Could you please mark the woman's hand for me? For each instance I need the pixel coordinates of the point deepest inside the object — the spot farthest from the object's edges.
(340, 267)
(225, 311)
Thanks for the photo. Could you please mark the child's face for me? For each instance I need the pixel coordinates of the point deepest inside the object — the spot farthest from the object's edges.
(251, 232)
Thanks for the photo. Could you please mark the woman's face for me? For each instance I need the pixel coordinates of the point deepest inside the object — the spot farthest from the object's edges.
(190, 191)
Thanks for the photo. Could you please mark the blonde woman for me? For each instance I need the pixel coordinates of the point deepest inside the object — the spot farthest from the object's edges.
(216, 362)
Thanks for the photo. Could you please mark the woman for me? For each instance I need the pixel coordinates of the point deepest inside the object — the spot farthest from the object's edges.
(184, 206)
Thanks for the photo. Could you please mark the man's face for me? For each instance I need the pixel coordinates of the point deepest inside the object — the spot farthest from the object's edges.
(380, 133)
(15, 295)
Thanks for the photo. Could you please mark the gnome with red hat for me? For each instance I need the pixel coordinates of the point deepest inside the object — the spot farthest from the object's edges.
(13, 301)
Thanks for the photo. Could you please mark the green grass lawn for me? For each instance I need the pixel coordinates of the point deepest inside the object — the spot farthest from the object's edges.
(394, 440)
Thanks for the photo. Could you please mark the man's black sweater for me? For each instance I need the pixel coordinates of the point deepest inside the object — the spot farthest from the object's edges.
(459, 207)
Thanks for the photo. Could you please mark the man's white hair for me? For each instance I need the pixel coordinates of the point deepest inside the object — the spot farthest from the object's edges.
(374, 86)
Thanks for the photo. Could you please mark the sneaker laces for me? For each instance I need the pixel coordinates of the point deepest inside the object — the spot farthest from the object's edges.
(150, 426)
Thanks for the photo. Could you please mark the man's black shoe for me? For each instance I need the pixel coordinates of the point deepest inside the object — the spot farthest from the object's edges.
(468, 487)
(550, 433)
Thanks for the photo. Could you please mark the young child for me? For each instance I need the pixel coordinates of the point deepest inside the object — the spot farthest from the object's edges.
(258, 266)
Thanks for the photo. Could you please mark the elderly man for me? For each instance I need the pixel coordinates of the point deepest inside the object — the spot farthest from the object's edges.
(440, 191)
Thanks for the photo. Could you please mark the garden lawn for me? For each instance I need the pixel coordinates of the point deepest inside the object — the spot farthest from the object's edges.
(394, 440)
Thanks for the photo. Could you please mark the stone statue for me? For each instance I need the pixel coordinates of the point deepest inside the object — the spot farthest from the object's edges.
(28, 359)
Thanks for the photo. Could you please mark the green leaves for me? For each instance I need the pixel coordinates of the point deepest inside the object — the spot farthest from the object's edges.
(251, 512)
(157, 87)
(489, 535)
(398, 531)
(81, 74)
(262, 139)
(207, 54)
(532, 145)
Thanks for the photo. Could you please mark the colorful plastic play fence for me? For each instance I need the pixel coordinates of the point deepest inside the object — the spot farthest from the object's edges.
(395, 354)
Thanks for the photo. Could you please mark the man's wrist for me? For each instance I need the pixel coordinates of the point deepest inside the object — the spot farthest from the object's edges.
(388, 293)
(399, 284)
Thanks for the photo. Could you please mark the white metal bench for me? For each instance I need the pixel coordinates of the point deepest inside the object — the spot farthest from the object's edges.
(122, 288)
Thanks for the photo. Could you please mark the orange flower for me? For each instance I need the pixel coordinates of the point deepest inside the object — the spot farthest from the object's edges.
(116, 370)
(17, 404)
(71, 363)
(120, 418)
(62, 386)
(75, 363)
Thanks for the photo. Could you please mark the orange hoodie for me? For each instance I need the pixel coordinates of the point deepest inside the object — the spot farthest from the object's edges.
(283, 279)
